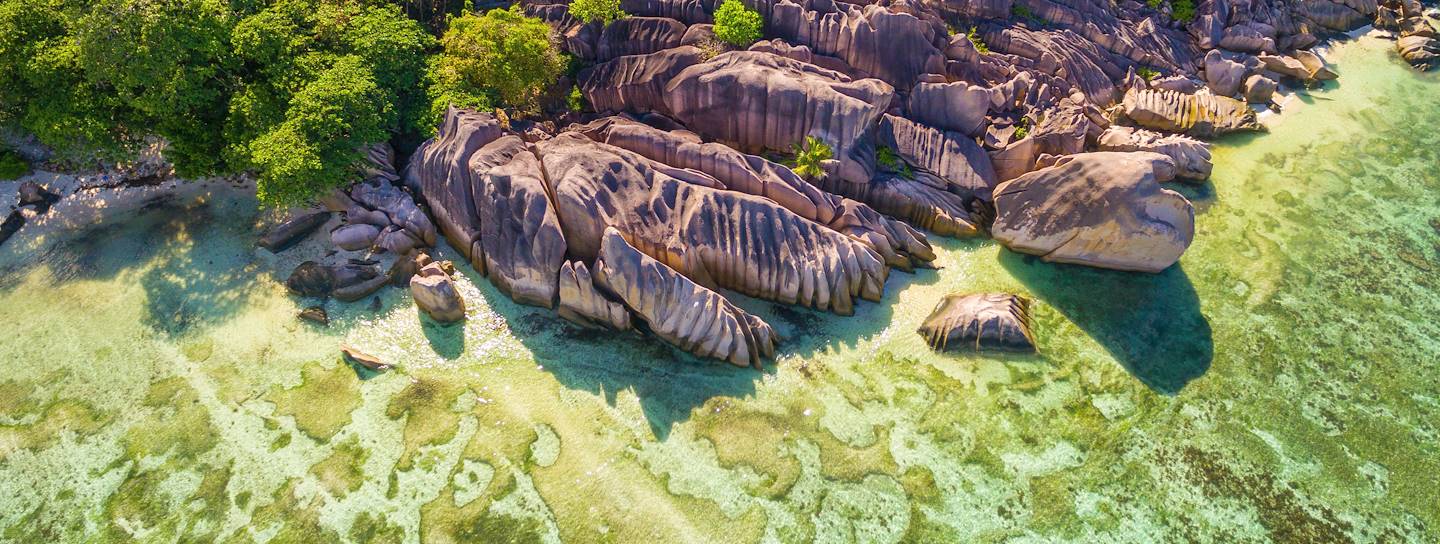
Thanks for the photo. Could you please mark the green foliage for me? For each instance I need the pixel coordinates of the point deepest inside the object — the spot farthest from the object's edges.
(224, 82)
(1147, 73)
(810, 156)
(1182, 10)
(576, 101)
(605, 11)
(501, 56)
(11, 165)
(737, 25)
(889, 160)
(1154, 4)
(974, 37)
(1022, 129)
(328, 122)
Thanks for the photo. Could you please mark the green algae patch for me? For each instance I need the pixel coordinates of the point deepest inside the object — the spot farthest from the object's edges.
(158, 504)
(752, 439)
(370, 529)
(177, 423)
(343, 471)
(323, 402)
(286, 519)
(54, 419)
(427, 404)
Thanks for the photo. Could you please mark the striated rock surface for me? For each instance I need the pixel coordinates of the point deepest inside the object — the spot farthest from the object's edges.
(1193, 114)
(636, 82)
(1102, 209)
(958, 107)
(678, 310)
(759, 101)
(638, 36)
(979, 322)
(957, 163)
(1191, 156)
(716, 237)
(894, 46)
(582, 304)
(900, 245)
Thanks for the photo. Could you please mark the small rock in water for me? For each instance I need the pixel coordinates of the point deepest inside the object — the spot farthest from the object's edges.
(289, 233)
(311, 279)
(315, 314)
(983, 321)
(436, 295)
(355, 356)
(375, 304)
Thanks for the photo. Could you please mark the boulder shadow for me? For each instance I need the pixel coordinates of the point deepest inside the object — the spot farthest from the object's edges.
(447, 340)
(1150, 323)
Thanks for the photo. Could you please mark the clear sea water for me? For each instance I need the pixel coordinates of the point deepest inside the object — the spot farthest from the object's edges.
(1281, 384)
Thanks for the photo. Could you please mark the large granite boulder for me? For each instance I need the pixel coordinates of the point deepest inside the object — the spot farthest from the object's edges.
(487, 193)
(900, 245)
(979, 322)
(1194, 114)
(1224, 76)
(958, 163)
(759, 101)
(1102, 209)
(894, 46)
(635, 82)
(354, 237)
(677, 309)
(1191, 156)
(435, 294)
(638, 36)
(958, 106)
(716, 237)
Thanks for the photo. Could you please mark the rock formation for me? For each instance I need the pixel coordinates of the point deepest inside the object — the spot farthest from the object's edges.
(289, 232)
(1191, 156)
(979, 322)
(1103, 209)
(1194, 114)
(436, 295)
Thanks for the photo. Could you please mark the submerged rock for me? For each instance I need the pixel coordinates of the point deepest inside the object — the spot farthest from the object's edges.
(1102, 209)
(435, 294)
(979, 322)
(315, 314)
(290, 232)
(311, 279)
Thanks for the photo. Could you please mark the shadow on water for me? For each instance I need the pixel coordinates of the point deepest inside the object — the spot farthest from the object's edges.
(1151, 323)
(448, 340)
(669, 384)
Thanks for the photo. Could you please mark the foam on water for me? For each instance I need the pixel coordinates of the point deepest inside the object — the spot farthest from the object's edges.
(1281, 384)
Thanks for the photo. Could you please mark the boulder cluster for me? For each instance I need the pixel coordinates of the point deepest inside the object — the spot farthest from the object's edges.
(1050, 125)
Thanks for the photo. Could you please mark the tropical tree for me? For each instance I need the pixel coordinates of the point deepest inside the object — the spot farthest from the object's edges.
(605, 11)
(737, 25)
(500, 57)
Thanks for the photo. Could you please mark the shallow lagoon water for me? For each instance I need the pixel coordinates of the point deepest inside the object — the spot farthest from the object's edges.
(1281, 384)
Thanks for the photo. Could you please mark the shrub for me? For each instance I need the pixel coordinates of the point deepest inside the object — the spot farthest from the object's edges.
(605, 11)
(1022, 129)
(1182, 10)
(810, 156)
(888, 159)
(576, 100)
(737, 25)
(1147, 73)
(502, 54)
(974, 36)
(11, 165)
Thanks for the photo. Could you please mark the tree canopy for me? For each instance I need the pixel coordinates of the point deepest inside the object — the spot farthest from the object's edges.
(288, 89)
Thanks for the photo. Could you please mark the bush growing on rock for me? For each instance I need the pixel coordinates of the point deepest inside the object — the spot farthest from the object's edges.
(11, 165)
(974, 36)
(737, 25)
(604, 11)
(502, 55)
(811, 156)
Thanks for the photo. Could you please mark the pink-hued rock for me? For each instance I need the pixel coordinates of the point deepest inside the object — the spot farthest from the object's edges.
(1194, 114)
(581, 303)
(679, 310)
(436, 295)
(1102, 209)
(1191, 156)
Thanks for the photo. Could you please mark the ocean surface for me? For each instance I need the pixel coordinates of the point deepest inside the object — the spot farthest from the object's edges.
(1280, 384)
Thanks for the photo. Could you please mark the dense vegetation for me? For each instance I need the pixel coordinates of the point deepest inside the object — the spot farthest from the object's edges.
(737, 25)
(288, 89)
(590, 11)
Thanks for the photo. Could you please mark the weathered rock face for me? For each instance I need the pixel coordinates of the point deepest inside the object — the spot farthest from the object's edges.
(582, 304)
(291, 231)
(636, 82)
(1191, 156)
(958, 107)
(436, 295)
(1260, 89)
(486, 191)
(979, 322)
(354, 237)
(1193, 114)
(678, 310)
(900, 245)
(638, 36)
(1224, 76)
(716, 237)
(893, 46)
(1101, 209)
(957, 163)
(763, 101)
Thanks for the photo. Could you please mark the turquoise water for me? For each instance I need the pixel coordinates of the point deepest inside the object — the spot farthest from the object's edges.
(1282, 384)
